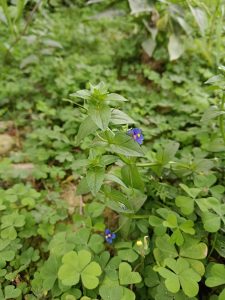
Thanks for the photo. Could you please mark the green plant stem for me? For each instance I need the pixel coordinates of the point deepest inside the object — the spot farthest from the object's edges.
(213, 244)
(136, 267)
(139, 216)
(24, 31)
(77, 104)
(221, 120)
(149, 164)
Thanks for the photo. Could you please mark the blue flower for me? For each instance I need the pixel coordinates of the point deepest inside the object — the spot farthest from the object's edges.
(136, 135)
(109, 236)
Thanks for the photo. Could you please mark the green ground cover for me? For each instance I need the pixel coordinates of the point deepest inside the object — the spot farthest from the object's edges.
(89, 210)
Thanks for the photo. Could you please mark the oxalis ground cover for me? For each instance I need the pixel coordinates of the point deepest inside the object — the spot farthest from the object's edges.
(112, 150)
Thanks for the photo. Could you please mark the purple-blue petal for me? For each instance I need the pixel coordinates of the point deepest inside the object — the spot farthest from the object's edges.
(140, 139)
(136, 131)
(113, 236)
(107, 231)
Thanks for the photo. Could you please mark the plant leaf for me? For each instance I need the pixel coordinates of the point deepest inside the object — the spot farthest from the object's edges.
(175, 47)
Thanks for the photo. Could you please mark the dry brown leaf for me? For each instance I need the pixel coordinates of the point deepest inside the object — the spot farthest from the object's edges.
(6, 143)
(69, 195)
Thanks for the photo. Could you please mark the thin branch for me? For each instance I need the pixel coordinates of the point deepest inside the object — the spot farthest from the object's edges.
(24, 31)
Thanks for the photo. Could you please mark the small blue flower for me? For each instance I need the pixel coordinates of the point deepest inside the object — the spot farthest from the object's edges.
(109, 236)
(136, 135)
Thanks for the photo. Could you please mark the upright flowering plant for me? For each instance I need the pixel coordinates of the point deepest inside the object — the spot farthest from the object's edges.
(113, 174)
(111, 142)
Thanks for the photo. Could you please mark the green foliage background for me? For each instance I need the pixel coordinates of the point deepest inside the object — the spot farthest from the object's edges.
(51, 235)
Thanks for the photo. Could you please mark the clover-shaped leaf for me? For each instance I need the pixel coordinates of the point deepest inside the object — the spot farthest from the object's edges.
(186, 204)
(179, 273)
(11, 292)
(164, 248)
(76, 265)
(126, 275)
(193, 249)
(215, 275)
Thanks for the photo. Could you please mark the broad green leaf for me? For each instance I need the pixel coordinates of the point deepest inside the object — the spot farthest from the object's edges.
(118, 117)
(183, 24)
(167, 153)
(83, 187)
(222, 295)
(126, 276)
(79, 163)
(100, 115)
(115, 97)
(124, 144)
(136, 198)
(215, 79)
(114, 178)
(95, 179)
(216, 275)
(200, 17)
(87, 127)
(49, 272)
(20, 6)
(84, 94)
(131, 177)
(175, 47)
(149, 46)
(6, 11)
(211, 113)
(27, 61)
(139, 6)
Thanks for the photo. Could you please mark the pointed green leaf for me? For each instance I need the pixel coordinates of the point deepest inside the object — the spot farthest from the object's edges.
(118, 117)
(124, 144)
(95, 179)
(100, 115)
(87, 127)
(175, 47)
